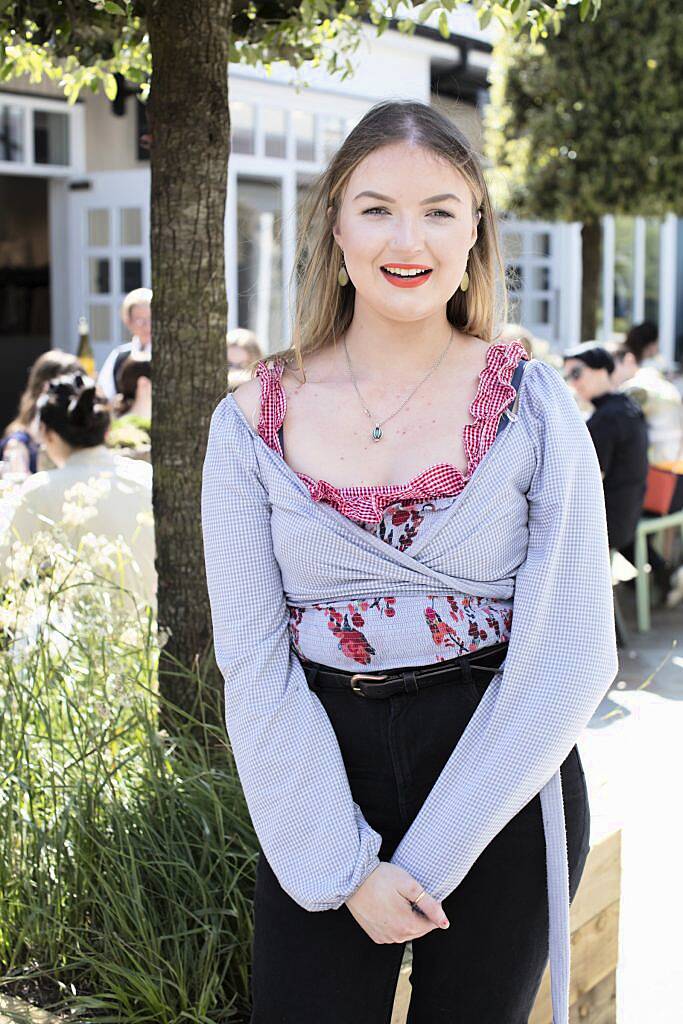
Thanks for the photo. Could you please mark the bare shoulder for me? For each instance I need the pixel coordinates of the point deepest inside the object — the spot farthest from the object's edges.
(248, 397)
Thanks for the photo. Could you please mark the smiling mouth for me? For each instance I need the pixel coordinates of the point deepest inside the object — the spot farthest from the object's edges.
(412, 279)
(406, 273)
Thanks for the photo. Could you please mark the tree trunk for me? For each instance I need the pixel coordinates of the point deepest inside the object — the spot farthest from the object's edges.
(591, 259)
(190, 148)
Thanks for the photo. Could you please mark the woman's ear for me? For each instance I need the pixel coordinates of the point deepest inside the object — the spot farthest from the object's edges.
(333, 224)
(475, 225)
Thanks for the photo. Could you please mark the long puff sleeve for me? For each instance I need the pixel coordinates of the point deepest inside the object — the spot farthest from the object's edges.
(286, 752)
(561, 659)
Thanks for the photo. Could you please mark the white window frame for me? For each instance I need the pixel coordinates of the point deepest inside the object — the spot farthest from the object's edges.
(667, 271)
(285, 172)
(76, 137)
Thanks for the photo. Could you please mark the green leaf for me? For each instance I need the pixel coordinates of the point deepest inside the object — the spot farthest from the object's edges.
(110, 87)
(444, 27)
(114, 8)
(584, 9)
(424, 10)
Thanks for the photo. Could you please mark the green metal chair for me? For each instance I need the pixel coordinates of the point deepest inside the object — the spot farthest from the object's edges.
(644, 528)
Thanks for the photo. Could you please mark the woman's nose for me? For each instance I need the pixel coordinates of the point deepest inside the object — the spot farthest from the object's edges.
(407, 234)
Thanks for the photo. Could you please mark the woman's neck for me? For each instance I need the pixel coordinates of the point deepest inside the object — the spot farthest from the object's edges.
(379, 350)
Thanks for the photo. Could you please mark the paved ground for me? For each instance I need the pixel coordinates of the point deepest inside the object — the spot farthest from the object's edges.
(633, 758)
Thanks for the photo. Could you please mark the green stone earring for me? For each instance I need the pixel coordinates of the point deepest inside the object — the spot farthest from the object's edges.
(465, 283)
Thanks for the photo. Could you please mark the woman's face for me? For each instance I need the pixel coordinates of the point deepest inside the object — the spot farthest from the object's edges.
(420, 216)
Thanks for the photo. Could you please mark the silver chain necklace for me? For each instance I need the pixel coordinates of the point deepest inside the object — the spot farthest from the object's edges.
(377, 431)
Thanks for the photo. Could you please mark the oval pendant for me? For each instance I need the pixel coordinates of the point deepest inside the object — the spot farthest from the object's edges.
(377, 432)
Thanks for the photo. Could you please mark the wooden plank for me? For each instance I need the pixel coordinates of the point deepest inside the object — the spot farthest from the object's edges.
(594, 924)
(600, 884)
(402, 997)
(599, 1006)
(595, 950)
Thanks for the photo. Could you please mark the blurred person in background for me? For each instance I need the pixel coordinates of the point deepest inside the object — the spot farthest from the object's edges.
(136, 313)
(537, 348)
(637, 374)
(74, 418)
(243, 350)
(515, 332)
(132, 406)
(20, 446)
(619, 432)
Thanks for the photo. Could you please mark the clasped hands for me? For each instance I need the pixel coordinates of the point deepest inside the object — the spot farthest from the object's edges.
(382, 906)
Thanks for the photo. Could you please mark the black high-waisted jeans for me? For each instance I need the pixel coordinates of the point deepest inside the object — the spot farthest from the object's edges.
(322, 968)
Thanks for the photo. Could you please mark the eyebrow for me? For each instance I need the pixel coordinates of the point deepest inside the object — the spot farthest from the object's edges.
(432, 199)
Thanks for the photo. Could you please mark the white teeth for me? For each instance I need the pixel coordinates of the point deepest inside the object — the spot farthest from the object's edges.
(403, 273)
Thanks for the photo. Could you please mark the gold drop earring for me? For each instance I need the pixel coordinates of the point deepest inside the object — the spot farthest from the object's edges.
(465, 283)
(342, 276)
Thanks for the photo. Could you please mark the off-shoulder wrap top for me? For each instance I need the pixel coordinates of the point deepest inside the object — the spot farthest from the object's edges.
(529, 525)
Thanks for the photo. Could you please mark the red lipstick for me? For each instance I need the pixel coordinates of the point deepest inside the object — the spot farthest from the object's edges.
(406, 282)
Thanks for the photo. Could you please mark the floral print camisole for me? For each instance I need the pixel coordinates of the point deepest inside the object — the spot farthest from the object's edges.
(351, 634)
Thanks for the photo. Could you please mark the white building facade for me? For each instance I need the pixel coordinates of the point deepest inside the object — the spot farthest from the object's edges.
(75, 184)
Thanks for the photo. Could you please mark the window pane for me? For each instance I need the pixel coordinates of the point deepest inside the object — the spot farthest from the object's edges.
(539, 244)
(623, 272)
(99, 276)
(11, 133)
(652, 236)
(241, 127)
(131, 226)
(302, 192)
(333, 133)
(131, 275)
(512, 245)
(274, 131)
(540, 278)
(100, 323)
(304, 133)
(259, 269)
(539, 311)
(98, 227)
(50, 137)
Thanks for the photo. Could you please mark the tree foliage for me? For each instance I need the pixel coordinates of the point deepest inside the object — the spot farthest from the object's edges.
(587, 122)
(84, 43)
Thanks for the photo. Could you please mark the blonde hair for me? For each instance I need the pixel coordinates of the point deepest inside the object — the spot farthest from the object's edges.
(246, 339)
(323, 309)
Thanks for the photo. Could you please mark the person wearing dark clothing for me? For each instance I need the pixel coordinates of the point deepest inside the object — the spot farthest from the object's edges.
(619, 432)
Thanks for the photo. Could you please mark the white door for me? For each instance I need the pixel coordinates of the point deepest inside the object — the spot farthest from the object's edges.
(530, 251)
(109, 252)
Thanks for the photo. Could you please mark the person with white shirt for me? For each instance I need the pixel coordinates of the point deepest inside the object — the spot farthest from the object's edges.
(136, 313)
(74, 419)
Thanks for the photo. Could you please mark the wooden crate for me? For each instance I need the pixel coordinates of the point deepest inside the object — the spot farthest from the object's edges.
(594, 923)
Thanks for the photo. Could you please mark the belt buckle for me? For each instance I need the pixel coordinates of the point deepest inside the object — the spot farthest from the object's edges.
(364, 675)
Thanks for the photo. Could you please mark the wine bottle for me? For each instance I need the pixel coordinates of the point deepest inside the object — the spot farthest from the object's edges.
(85, 354)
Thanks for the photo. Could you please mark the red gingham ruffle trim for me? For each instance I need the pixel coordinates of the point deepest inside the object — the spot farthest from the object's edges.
(368, 503)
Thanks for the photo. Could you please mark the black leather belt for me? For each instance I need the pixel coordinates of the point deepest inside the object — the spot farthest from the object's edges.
(481, 664)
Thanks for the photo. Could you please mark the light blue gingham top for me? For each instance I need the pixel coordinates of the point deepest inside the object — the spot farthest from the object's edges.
(530, 525)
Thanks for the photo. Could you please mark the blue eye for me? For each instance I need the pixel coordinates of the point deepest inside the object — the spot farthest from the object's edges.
(383, 209)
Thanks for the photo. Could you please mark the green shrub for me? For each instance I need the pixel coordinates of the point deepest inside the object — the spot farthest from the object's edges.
(127, 856)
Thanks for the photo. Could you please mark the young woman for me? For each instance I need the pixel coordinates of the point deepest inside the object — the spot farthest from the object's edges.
(407, 665)
(22, 433)
(73, 421)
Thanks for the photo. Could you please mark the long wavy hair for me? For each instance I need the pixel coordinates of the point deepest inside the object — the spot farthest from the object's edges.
(322, 309)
